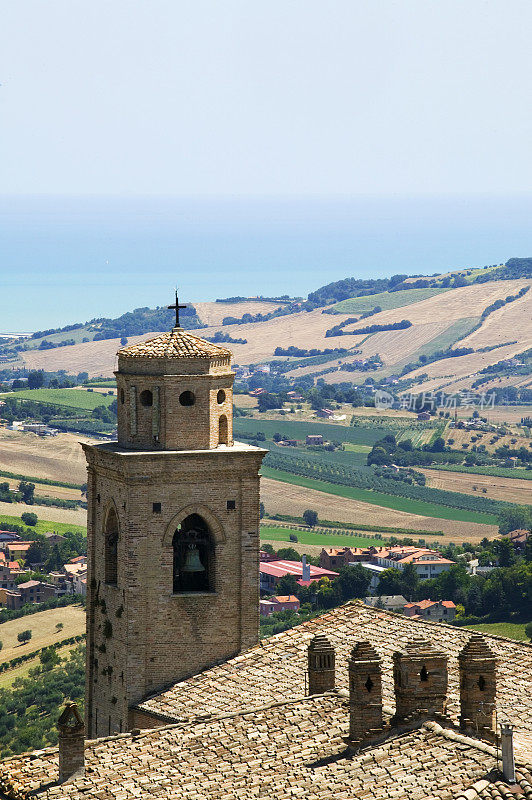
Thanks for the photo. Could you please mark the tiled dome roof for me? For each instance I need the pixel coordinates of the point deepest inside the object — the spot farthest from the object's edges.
(177, 343)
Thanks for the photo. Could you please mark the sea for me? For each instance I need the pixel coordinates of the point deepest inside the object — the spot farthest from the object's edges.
(71, 259)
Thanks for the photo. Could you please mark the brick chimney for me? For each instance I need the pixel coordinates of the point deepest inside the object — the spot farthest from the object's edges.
(365, 693)
(71, 743)
(420, 681)
(321, 665)
(478, 688)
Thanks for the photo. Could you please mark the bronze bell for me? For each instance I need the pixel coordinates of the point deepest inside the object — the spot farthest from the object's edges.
(192, 561)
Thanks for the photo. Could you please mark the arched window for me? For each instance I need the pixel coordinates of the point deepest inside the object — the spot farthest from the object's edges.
(111, 547)
(193, 556)
(223, 434)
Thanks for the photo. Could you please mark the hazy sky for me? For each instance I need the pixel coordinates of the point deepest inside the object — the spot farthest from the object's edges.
(135, 97)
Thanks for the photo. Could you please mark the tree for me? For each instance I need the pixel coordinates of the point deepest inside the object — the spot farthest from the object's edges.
(24, 636)
(262, 510)
(505, 552)
(353, 582)
(390, 582)
(38, 551)
(59, 626)
(409, 580)
(1, 645)
(29, 518)
(27, 491)
(49, 658)
(438, 445)
(35, 379)
(288, 554)
(515, 518)
(528, 630)
(310, 517)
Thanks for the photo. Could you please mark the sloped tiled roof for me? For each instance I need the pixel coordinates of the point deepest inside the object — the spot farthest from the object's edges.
(177, 343)
(275, 669)
(294, 749)
(247, 731)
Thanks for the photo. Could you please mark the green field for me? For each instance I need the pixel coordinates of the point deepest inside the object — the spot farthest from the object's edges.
(69, 398)
(44, 525)
(421, 507)
(307, 537)
(299, 430)
(511, 630)
(386, 300)
(78, 335)
(42, 481)
(357, 448)
(496, 472)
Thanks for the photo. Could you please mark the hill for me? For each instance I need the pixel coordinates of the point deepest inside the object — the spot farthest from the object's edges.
(457, 328)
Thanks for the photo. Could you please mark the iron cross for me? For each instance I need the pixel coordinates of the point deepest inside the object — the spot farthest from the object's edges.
(177, 307)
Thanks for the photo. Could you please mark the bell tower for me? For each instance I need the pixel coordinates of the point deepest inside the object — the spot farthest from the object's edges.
(173, 528)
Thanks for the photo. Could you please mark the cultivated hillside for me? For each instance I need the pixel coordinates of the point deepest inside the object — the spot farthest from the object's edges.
(440, 317)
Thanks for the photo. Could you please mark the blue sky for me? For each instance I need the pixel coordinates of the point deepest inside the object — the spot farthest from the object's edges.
(299, 97)
(249, 147)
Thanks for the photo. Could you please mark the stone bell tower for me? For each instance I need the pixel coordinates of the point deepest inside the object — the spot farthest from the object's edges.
(173, 529)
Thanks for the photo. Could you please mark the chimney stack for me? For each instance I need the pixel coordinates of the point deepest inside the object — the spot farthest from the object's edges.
(365, 693)
(305, 571)
(507, 747)
(478, 687)
(420, 679)
(71, 743)
(321, 665)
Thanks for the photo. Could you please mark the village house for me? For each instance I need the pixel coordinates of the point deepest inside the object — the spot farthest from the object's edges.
(275, 603)
(271, 573)
(16, 551)
(313, 438)
(435, 610)
(518, 537)
(393, 602)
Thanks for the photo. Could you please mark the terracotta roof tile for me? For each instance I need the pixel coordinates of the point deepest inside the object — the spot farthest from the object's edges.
(177, 343)
(290, 750)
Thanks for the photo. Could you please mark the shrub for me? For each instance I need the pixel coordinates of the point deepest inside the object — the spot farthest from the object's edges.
(29, 518)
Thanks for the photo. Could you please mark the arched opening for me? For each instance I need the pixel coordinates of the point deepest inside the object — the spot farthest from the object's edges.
(193, 547)
(423, 675)
(146, 398)
(223, 431)
(369, 684)
(122, 396)
(220, 397)
(111, 547)
(482, 683)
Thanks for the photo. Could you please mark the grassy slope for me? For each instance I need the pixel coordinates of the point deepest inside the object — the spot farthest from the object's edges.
(43, 630)
(307, 537)
(299, 430)
(43, 525)
(379, 499)
(386, 300)
(512, 630)
(70, 398)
